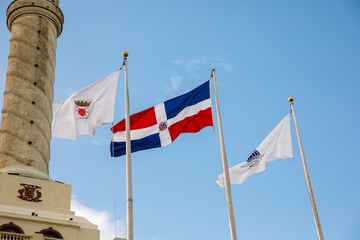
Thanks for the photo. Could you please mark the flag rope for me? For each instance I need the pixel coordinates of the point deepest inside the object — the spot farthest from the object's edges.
(114, 179)
(212, 111)
(216, 140)
(293, 158)
(113, 156)
(218, 152)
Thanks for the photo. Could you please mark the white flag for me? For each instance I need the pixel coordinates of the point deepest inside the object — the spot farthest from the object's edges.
(86, 109)
(276, 145)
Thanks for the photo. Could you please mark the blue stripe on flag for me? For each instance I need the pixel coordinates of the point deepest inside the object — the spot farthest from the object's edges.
(152, 141)
(174, 106)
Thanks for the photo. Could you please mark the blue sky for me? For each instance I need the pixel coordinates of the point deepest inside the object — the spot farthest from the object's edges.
(263, 52)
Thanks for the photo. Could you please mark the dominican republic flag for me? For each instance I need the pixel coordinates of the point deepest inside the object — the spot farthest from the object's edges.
(160, 125)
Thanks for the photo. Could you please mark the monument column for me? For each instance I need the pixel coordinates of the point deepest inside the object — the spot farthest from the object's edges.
(32, 206)
(25, 131)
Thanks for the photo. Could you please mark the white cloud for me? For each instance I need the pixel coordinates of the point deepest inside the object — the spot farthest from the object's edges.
(193, 64)
(199, 63)
(195, 71)
(104, 220)
(175, 82)
(225, 66)
(99, 141)
(177, 62)
(189, 65)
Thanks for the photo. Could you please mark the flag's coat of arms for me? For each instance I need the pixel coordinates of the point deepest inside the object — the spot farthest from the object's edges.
(90, 107)
(276, 145)
(82, 108)
(160, 125)
(253, 160)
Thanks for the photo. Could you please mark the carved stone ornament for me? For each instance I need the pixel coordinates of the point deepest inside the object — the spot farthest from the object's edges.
(29, 193)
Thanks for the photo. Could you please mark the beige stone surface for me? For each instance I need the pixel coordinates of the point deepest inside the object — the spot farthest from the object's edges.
(52, 211)
(55, 196)
(25, 131)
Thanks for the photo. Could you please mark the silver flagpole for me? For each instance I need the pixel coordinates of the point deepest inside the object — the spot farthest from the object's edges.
(129, 203)
(307, 177)
(225, 166)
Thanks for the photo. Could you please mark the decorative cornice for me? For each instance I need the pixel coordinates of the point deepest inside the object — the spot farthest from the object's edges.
(46, 8)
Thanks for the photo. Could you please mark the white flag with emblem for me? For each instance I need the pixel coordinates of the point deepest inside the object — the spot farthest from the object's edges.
(86, 109)
(276, 145)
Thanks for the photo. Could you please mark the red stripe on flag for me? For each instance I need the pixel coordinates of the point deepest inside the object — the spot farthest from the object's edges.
(192, 124)
(143, 119)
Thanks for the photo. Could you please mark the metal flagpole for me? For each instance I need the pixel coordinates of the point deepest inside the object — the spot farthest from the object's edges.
(307, 177)
(114, 180)
(225, 166)
(129, 203)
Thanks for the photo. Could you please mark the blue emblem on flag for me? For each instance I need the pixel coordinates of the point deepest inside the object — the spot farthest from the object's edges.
(253, 156)
(253, 160)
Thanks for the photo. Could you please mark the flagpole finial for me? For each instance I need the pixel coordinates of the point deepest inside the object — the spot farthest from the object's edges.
(291, 99)
(125, 54)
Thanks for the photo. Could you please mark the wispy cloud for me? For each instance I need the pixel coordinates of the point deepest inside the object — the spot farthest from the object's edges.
(194, 70)
(196, 64)
(174, 83)
(104, 220)
(226, 66)
(189, 65)
(177, 62)
(99, 141)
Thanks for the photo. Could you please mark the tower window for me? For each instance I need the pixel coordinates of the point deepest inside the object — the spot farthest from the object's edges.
(11, 228)
(50, 232)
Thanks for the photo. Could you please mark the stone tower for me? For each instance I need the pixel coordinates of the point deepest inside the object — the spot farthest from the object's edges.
(32, 206)
(25, 131)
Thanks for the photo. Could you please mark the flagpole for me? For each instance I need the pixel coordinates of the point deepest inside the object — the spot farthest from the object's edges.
(129, 203)
(225, 166)
(307, 177)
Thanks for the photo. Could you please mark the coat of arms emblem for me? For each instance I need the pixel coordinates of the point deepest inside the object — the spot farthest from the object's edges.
(82, 108)
(162, 126)
(30, 193)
